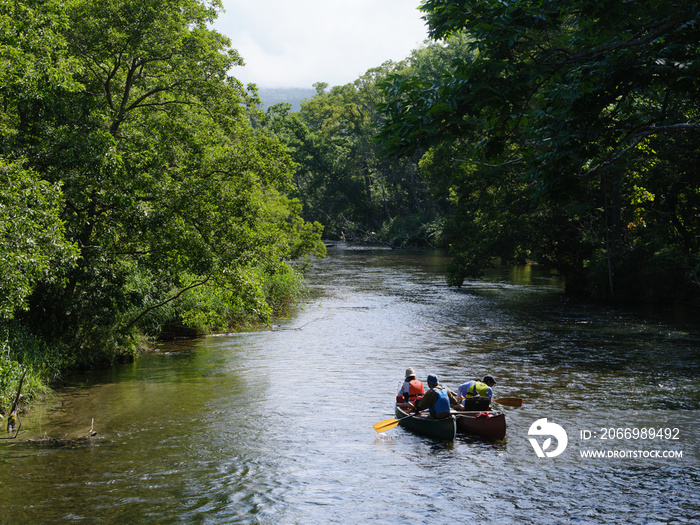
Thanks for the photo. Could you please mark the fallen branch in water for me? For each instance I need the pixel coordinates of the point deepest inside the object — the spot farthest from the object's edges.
(66, 442)
(14, 411)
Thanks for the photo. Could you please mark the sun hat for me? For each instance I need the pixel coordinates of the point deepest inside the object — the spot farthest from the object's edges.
(488, 379)
(410, 372)
(432, 379)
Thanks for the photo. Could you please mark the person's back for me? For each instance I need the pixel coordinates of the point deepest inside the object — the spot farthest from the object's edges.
(411, 390)
(475, 389)
(467, 389)
(437, 399)
(441, 407)
(477, 394)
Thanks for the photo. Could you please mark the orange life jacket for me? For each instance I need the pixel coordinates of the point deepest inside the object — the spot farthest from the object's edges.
(415, 390)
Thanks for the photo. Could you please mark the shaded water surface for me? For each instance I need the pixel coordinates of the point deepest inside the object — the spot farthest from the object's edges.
(276, 426)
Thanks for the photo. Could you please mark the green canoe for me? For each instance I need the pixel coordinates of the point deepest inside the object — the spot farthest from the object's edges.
(444, 429)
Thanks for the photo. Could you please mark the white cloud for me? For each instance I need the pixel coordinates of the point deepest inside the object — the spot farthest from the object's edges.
(295, 44)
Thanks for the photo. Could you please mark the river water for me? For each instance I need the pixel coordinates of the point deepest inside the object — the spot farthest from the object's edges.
(276, 426)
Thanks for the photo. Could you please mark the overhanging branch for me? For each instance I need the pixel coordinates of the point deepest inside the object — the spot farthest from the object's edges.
(163, 303)
(643, 133)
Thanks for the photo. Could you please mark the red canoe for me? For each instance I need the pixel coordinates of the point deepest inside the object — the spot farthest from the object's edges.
(488, 424)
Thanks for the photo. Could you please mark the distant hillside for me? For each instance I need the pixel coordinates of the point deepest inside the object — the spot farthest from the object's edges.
(293, 96)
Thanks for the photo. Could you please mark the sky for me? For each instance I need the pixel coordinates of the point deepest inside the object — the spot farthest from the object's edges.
(296, 44)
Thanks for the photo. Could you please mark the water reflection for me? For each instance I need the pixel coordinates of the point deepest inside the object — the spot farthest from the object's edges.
(276, 426)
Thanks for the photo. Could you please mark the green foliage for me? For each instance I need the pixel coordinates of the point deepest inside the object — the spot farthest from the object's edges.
(415, 230)
(10, 374)
(32, 243)
(577, 119)
(662, 277)
(340, 179)
(284, 289)
(133, 152)
(583, 85)
(211, 308)
(22, 352)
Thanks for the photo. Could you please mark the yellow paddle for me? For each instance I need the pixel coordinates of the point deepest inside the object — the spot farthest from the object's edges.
(509, 401)
(388, 424)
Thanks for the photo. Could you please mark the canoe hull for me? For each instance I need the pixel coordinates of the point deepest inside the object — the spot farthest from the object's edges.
(491, 427)
(443, 429)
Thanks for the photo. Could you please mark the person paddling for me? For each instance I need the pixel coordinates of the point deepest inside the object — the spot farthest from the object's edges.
(437, 399)
(411, 390)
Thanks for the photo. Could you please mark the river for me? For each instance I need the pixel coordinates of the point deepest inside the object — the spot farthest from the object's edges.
(276, 426)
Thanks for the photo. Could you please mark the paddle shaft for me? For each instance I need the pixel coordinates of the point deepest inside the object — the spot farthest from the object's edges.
(388, 424)
(405, 417)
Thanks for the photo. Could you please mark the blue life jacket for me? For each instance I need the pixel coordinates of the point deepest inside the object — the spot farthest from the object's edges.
(442, 405)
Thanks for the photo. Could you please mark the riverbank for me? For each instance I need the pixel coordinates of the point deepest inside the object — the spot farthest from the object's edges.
(46, 362)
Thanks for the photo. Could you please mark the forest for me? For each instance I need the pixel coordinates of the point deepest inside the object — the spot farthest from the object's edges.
(146, 194)
(137, 200)
(559, 133)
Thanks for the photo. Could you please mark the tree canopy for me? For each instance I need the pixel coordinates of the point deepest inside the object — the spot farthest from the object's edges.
(125, 117)
(585, 82)
(340, 177)
(32, 235)
(594, 106)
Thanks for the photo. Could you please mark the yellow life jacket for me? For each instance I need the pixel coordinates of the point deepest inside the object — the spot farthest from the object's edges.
(478, 389)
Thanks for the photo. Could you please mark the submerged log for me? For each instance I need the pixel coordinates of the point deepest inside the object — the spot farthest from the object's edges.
(66, 442)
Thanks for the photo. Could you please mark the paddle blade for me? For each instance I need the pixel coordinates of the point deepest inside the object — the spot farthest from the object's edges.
(385, 425)
(509, 401)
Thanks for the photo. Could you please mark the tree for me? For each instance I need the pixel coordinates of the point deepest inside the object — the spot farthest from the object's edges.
(586, 82)
(340, 178)
(166, 188)
(580, 98)
(32, 242)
